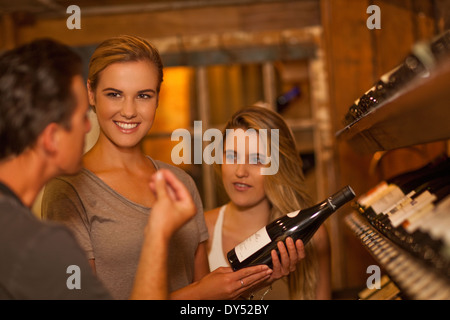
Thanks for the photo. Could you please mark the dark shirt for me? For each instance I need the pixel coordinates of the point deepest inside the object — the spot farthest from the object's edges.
(41, 260)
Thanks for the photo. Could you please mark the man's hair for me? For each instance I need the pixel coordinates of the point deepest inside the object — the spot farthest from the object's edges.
(35, 90)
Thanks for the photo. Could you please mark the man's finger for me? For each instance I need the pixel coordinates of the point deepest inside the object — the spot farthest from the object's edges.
(177, 189)
(160, 185)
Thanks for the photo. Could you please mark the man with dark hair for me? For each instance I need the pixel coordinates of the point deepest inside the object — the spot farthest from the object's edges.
(43, 122)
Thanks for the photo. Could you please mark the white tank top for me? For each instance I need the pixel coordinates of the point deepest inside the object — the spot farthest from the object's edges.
(216, 256)
(217, 259)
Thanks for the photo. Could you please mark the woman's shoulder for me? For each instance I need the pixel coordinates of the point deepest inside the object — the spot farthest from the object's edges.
(68, 181)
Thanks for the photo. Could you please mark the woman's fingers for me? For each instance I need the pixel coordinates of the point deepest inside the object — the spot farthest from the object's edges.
(252, 275)
(288, 256)
(233, 284)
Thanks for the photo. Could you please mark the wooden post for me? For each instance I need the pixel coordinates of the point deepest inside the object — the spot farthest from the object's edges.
(208, 178)
(269, 84)
(8, 32)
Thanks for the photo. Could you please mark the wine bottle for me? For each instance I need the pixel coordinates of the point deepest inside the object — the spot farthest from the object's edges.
(285, 99)
(388, 193)
(438, 224)
(440, 46)
(417, 198)
(428, 232)
(300, 224)
(419, 203)
(395, 224)
(423, 58)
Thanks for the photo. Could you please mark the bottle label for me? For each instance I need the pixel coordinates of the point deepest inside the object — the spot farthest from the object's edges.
(372, 193)
(394, 195)
(416, 204)
(252, 244)
(413, 222)
(380, 193)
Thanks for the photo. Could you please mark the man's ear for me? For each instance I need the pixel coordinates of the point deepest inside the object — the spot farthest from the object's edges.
(49, 139)
(91, 95)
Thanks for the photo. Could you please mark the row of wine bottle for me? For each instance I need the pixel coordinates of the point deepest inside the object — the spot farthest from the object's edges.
(419, 63)
(413, 210)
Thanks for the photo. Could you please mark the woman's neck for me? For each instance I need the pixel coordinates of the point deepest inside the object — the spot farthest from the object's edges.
(252, 217)
(105, 156)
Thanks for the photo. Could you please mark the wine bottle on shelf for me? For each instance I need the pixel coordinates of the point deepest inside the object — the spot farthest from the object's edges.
(436, 224)
(428, 192)
(436, 230)
(389, 192)
(352, 115)
(422, 204)
(285, 99)
(389, 220)
(440, 46)
(424, 209)
(431, 245)
(422, 60)
(301, 224)
(380, 191)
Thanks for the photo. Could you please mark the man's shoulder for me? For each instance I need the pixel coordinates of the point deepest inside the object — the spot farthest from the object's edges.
(37, 255)
(19, 227)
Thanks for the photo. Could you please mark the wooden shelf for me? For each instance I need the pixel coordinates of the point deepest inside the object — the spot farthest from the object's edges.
(417, 114)
(416, 279)
(420, 113)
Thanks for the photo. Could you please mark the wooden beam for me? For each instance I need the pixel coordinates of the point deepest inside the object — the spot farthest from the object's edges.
(240, 55)
(187, 22)
(350, 69)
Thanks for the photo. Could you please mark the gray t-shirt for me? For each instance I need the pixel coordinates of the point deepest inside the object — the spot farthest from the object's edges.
(110, 228)
(36, 258)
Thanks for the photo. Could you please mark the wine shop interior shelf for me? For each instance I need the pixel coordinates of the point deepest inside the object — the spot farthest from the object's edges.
(415, 278)
(420, 113)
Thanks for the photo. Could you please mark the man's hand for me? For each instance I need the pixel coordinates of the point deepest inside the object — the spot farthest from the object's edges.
(173, 206)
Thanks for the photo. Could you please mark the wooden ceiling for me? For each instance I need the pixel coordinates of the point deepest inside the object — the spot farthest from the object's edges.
(53, 8)
(186, 26)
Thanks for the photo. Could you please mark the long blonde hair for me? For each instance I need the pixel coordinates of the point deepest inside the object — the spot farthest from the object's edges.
(285, 190)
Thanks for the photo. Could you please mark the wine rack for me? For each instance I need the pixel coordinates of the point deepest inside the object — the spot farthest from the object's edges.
(418, 114)
(413, 276)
